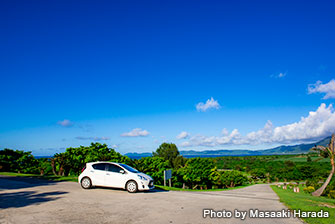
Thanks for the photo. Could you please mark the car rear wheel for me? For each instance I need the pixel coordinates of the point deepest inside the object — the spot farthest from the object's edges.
(86, 183)
(131, 186)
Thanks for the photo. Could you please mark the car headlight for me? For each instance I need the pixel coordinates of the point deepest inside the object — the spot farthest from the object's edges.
(142, 177)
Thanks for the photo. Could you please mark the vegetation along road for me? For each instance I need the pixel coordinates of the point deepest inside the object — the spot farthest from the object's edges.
(32, 200)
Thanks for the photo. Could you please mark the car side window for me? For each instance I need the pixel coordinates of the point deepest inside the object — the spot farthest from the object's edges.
(99, 166)
(114, 168)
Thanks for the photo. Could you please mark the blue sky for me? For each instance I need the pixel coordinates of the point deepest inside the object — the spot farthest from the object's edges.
(72, 72)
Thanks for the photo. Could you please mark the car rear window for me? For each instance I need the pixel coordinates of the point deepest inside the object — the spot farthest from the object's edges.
(99, 166)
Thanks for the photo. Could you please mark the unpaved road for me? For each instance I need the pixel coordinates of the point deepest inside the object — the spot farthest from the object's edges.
(30, 200)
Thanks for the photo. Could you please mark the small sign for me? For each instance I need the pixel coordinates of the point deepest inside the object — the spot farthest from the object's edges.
(167, 174)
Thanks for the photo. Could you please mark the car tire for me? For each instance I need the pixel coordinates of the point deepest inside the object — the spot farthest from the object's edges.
(86, 183)
(131, 186)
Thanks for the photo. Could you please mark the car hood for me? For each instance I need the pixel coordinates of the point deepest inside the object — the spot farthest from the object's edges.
(145, 175)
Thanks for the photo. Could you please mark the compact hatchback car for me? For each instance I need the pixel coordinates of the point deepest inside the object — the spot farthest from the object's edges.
(116, 175)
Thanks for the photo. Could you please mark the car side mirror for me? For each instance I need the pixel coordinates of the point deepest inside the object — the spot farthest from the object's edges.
(122, 171)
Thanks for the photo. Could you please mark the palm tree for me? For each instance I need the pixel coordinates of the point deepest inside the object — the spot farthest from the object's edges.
(327, 152)
(61, 160)
(53, 165)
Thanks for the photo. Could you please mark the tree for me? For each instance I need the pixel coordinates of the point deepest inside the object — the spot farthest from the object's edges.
(179, 162)
(168, 151)
(258, 173)
(309, 159)
(153, 166)
(44, 166)
(326, 152)
(233, 178)
(18, 161)
(79, 156)
(62, 162)
(197, 171)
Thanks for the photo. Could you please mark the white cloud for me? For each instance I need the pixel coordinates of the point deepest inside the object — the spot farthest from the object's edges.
(264, 135)
(183, 135)
(280, 75)
(114, 146)
(65, 123)
(224, 131)
(93, 138)
(328, 89)
(210, 103)
(318, 124)
(135, 133)
(200, 140)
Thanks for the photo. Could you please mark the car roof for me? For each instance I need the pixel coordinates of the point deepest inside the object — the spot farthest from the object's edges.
(91, 163)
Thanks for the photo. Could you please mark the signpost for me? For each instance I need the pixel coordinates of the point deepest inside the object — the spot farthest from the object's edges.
(167, 176)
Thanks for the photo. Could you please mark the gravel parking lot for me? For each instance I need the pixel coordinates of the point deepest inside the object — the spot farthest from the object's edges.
(30, 200)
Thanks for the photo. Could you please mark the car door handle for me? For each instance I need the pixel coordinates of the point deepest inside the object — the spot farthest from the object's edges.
(92, 171)
(107, 174)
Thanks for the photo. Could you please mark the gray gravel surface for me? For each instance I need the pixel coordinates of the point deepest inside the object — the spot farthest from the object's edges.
(31, 200)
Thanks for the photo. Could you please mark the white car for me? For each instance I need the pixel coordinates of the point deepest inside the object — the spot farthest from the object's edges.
(116, 175)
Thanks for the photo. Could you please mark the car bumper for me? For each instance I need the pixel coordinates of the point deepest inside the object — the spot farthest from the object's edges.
(146, 186)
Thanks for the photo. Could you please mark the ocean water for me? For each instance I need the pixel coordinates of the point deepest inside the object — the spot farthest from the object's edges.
(201, 156)
(40, 157)
(186, 156)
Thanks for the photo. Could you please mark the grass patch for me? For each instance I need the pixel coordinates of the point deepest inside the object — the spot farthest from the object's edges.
(18, 174)
(46, 177)
(307, 202)
(166, 188)
(304, 159)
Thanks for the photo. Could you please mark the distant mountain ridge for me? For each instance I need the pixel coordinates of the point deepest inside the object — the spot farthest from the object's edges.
(280, 150)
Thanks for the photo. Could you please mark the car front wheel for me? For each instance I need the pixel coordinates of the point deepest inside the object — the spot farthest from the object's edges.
(131, 186)
(86, 183)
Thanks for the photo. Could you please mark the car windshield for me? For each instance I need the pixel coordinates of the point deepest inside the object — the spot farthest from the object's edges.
(129, 168)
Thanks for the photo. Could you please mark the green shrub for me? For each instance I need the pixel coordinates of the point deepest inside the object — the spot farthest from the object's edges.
(329, 188)
(290, 185)
(314, 183)
(331, 194)
(309, 189)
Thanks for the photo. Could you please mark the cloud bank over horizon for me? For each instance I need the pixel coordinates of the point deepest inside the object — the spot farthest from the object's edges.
(318, 124)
